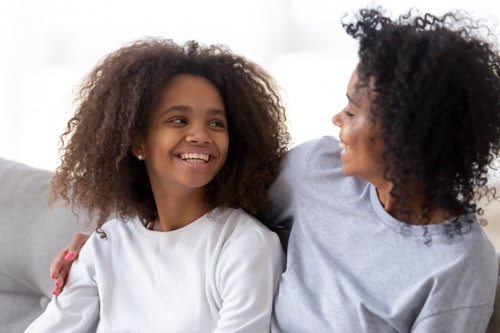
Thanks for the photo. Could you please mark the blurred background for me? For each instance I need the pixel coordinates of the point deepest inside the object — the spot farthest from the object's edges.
(49, 45)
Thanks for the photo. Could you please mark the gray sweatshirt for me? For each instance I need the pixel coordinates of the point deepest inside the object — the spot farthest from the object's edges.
(352, 267)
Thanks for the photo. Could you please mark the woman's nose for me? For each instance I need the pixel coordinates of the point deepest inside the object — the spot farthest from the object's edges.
(336, 119)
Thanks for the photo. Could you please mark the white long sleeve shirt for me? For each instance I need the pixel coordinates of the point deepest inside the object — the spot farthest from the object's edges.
(217, 274)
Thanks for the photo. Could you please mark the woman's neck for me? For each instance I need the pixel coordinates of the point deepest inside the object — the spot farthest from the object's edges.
(412, 211)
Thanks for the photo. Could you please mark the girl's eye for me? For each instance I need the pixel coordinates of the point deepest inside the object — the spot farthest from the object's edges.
(349, 113)
(177, 121)
(217, 124)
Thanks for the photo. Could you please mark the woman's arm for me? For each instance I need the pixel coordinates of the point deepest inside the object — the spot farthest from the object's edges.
(60, 266)
(77, 308)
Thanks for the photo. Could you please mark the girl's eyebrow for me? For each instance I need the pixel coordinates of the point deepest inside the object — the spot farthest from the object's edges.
(221, 112)
(170, 109)
(185, 108)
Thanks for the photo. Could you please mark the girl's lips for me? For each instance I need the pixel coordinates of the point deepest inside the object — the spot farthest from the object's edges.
(195, 157)
(197, 161)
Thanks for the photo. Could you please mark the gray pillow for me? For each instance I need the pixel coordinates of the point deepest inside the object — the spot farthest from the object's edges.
(31, 234)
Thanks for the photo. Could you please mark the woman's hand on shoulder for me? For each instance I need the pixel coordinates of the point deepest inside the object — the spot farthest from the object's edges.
(60, 266)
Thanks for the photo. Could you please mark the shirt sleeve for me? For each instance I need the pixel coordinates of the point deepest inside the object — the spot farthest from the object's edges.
(463, 320)
(76, 309)
(279, 215)
(248, 283)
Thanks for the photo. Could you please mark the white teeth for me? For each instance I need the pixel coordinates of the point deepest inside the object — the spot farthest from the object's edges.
(343, 145)
(194, 157)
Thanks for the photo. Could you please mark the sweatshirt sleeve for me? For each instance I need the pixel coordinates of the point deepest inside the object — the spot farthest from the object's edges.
(76, 309)
(282, 194)
(247, 283)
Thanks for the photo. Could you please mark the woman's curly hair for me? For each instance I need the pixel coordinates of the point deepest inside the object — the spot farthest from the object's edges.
(98, 171)
(436, 85)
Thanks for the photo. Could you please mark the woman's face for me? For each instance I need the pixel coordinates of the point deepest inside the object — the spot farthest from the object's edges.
(187, 141)
(359, 135)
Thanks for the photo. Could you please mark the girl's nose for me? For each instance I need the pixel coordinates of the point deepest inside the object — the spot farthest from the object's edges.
(198, 134)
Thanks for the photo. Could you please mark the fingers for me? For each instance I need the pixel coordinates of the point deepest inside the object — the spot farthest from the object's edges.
(57, 288)
(60, 266)
(57, 272)
(75, 246)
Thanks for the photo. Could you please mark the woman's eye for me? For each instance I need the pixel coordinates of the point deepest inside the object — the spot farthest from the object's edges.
(349, 113)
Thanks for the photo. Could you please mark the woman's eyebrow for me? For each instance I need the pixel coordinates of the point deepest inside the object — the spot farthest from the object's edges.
(352, 99)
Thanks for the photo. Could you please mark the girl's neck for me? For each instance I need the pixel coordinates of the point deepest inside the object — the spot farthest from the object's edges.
(176, 218)
(177, 211)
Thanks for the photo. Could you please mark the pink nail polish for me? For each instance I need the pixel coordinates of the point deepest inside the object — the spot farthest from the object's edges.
(70, 255)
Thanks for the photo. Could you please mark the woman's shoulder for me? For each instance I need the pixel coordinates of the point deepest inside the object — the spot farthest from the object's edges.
(478, 245)
(313, 154)
(467, 254)
(323, 144)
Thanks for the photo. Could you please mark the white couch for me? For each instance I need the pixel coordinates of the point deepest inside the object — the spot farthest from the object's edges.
(30, 236)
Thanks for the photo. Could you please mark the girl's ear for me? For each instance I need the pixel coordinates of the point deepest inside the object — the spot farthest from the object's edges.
(138, 151)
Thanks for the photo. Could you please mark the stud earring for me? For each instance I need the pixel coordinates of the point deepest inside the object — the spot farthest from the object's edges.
(140, 157)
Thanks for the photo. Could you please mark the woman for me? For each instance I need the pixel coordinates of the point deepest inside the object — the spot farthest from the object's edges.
(385, 234)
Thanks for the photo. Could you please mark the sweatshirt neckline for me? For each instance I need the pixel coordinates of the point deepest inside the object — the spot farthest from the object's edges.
(189, 228)
(412, 230)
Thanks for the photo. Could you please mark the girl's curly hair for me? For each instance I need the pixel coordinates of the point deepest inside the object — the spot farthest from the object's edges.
(98, 170)
(436, 85)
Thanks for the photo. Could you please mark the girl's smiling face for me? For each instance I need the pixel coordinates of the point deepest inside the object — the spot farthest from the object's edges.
(187, 140)
(359, 135)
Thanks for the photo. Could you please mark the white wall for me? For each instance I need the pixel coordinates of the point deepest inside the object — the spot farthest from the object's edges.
(48, 45)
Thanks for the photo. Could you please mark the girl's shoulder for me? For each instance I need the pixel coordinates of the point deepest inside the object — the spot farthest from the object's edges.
(114, 229)
(237, 223)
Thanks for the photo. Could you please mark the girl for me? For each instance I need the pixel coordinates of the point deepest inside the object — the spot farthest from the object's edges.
(178, 145)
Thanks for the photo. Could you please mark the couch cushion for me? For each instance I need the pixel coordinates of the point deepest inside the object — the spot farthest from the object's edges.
(31, 234)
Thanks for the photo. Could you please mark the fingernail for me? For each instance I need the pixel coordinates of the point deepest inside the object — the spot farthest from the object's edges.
(54, 292)
(57, 283)
(70, 255)
(52, 276)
